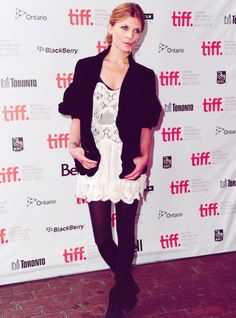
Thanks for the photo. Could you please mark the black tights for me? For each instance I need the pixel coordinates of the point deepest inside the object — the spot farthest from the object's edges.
(119, 258)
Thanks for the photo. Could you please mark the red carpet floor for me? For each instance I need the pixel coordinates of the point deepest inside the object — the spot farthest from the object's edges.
(196, 287)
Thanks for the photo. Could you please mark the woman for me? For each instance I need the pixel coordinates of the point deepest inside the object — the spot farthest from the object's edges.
(113, 105)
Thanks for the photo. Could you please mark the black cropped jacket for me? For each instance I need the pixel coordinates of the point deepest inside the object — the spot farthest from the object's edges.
(139, 107)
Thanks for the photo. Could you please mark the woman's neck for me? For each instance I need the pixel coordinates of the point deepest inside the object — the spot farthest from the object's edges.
(117, 56)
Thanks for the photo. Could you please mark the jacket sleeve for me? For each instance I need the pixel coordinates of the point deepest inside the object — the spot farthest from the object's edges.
(151, 107)
(71, 104)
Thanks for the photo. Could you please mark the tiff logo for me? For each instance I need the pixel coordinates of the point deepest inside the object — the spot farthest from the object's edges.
(80, 17)
(74, 254)
(170, 241)
(9, 174)
(15, 113)
(210, 209)
(169, 78)
(80, 201)
(182, 19)
(179, 187)
(101, 47)
(212, 104)
(171, 134)
(200, 158)
(211, 48)
(64, 80)
(3, 234)
(113, 219)
(58, 141)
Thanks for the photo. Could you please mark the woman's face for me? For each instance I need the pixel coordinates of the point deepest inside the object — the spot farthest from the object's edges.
(125, 33)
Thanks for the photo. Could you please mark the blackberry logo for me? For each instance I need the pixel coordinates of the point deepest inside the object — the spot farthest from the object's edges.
(17, 144)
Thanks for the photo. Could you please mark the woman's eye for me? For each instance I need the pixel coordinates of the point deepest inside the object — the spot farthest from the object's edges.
(137, 31)
(124, 27)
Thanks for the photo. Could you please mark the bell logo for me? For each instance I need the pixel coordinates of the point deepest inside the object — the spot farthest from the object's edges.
(212, 104)
(170, 241)
(182, 19)
(211, 48)
(9, 174)
(64, 80)
(58, 141)
(210, 209)
(74, 254)
(15, 113)
(171, 134)
(3, 239)
(80, 17)
(66, 171)
(101, 47)
(179, 187)
(200, 158)
(170, 78)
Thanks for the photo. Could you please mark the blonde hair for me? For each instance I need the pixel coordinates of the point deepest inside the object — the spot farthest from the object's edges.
(128, 9)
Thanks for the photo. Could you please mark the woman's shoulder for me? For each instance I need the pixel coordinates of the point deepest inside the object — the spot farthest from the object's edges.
(86, 61)
(144, 73)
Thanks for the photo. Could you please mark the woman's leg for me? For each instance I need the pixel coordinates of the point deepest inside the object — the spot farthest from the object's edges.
(100, 213)
(125, 217)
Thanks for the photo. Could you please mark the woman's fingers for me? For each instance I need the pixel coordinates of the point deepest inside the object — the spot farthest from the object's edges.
(79, 154)
(133, 175)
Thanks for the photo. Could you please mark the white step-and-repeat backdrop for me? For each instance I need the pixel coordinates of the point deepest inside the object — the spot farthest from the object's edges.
(190, 203)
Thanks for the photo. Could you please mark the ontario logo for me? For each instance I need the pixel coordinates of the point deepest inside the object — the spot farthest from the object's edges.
(168, 49)
(34, 201)
(221, 130)
(30, 17)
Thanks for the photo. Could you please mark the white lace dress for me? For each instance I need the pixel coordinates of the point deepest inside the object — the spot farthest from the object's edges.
(106, 184)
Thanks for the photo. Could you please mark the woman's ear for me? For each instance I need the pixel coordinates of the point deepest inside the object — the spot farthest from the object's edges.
(109, 28)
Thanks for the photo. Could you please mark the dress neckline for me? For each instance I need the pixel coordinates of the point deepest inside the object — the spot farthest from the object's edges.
(111, 89)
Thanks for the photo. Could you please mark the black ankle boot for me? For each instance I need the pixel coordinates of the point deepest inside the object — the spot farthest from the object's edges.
(131, 294)
(115, 304)
(130, 301)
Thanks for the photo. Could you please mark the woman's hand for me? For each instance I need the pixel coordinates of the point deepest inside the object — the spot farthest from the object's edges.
(140, 163)
(79, 154)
